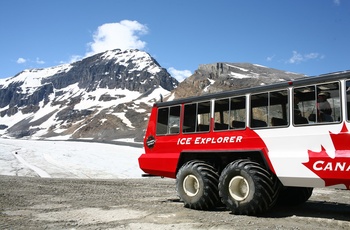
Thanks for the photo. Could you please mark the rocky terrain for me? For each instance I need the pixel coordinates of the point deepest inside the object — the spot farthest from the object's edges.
(148, 203)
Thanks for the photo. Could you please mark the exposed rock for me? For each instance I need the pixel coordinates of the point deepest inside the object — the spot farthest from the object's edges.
(222, 76)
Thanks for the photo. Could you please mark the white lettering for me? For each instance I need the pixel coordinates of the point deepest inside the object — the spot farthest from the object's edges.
(329, 166)
(209, 140)
(219, 140)
(340, 166)
(178, 141)
(196, 142)
(184, 141)
(316, 167)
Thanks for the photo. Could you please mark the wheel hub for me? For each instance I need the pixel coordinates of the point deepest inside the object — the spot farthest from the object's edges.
(191, 185)
(239, 188)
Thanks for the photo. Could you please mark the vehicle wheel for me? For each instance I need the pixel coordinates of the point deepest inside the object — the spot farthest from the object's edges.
(247, 189)
(294, 195)
(197, 185)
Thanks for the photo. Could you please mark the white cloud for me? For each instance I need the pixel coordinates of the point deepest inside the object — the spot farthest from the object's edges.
(120, 35)
(38, 61)
(312, 56)
(179, 75)
(21, 60)
(337, 2)
(298, 57)
(270, 58)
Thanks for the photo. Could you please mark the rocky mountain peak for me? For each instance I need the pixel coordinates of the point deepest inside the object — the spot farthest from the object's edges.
(223, 76)
(105, 93)
(129, 69)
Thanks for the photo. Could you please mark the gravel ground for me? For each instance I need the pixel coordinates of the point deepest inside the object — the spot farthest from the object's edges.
(147, 203)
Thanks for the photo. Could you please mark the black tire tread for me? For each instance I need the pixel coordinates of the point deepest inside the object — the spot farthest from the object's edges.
(210, 197)
(266, 188)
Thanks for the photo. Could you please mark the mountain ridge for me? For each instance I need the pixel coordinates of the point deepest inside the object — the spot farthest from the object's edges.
(108, 96)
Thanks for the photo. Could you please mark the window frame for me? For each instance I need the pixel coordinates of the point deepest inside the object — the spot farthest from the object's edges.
(316, 90)
(267, 123)
(195, 118)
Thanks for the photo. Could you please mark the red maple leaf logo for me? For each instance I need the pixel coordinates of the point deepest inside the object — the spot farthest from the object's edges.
(335, 170)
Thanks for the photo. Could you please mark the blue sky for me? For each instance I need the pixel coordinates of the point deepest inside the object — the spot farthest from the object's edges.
(310, 37)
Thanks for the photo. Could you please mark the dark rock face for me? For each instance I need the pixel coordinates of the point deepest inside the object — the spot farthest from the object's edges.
(98, 71)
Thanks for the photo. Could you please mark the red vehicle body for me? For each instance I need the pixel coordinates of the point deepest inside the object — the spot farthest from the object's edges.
(254, 147)
(173, 149)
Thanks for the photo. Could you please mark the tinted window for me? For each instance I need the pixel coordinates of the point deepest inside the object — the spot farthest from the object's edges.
(168, 120)
(317, 104)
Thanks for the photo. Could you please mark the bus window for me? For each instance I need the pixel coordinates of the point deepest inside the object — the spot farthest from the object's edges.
(168, 120)
(278, 108)
(203, 114)
(304, 105)
(190, 119)
(196, 117)
(162, 121)
(269, 109)
(174, 120)
(230, 113)
(259, 110)
(318, 103)
(238, 112)
(348, 100)
(222, 114)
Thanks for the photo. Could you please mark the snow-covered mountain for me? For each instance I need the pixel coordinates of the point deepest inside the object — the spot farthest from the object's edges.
(104, 97)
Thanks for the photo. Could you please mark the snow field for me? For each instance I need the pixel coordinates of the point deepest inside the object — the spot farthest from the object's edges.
(68, 159)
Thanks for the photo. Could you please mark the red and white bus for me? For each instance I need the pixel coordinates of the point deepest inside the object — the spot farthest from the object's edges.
(253, 147)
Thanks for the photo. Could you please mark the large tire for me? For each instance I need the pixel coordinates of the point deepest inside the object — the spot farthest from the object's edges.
(197, 185)
(293, 196)
(247, 189)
